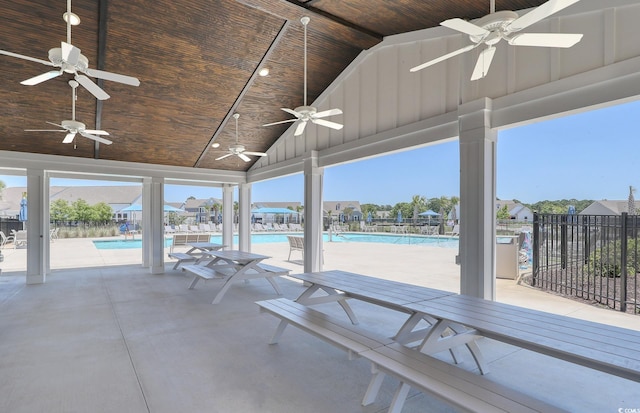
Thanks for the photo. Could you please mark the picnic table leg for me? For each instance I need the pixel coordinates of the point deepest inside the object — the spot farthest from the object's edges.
(196, 278)
(407, 328)
(274, 284)
(306, 299)
(279, 330)
(438, 339)
(229, 280)
(399, 398)
(374, 386)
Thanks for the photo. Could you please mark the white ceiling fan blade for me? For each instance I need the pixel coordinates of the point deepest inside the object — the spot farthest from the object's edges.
(332, 125)
(44, 130)
(96, 138)
(96, 132)
(41, 78)
(326, 113)
(300, 128)
(70, 53)
(483, 63)
(545, 39)
(464, 27)
(293, 112)
(224, 156)
(539, 13)
(244, 157)
(54, 124)
(20, 56)
(94, 89)
(444, 57)
(114, 77)
(254, 153)
(282, 121)
(69, 137)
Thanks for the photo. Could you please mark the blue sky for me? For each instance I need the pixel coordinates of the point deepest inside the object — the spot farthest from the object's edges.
(592, 155)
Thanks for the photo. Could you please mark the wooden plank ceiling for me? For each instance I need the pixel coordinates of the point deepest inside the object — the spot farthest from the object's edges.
(197, 62)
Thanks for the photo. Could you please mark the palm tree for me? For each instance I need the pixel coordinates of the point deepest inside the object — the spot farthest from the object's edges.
(632, 201)
(418, 202)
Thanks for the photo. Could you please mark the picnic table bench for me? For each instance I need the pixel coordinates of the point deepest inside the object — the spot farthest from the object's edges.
(455, 320)
(460, 388)
(186, 239)
(195, 254)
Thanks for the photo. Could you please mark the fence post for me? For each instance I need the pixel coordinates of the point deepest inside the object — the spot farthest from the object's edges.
(536, 247)
(564, 240)
(623, 263)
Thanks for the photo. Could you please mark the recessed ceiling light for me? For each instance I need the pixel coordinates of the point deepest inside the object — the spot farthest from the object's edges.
(71, 18)
(263, 72)
(215, 145)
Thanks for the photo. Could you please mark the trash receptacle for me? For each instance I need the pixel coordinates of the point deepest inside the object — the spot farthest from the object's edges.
(507, 257)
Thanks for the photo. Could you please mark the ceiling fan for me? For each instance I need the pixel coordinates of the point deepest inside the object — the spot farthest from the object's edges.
(492, 28)
(68, 59)
(73, 127)
(238, 149)
(306, 113)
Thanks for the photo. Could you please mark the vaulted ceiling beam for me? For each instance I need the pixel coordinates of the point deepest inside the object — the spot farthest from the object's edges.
(244, 90)
(331, 25)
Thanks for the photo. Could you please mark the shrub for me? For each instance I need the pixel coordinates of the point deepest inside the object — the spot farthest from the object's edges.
(606, 261)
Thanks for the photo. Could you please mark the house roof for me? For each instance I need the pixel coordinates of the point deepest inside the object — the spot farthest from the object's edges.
(112, 195)
(199, 203)
(606, 207)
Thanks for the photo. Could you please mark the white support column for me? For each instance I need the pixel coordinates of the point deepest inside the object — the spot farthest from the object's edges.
(153, 229)
(37, 226)
(477, 200)
(313, 176)
(244, 217)
(227, 216)
(146, 222)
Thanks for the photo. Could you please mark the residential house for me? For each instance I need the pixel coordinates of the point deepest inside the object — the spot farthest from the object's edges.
(606, 207)
(343, 211)
(203, 210)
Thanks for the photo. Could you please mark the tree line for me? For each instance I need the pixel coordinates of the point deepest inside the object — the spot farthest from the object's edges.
(61, 212)
(444, 204)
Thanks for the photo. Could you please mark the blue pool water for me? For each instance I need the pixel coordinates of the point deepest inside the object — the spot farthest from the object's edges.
(282, 237)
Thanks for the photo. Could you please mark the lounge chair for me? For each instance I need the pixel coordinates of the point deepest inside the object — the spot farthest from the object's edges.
(4, 239)
(455, 232)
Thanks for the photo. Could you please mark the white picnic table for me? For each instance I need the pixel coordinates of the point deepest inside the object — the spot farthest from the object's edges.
(233, 266)
(452, 321)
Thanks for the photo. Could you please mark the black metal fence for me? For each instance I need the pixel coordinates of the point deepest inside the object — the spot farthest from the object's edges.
(6, 225)
(591, 257)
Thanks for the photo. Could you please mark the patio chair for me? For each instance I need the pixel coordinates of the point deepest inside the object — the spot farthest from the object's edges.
(19, 238)
(53, 234)
(4, 239)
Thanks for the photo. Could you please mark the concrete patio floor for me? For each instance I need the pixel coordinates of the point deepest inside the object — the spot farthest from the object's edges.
(104, 335)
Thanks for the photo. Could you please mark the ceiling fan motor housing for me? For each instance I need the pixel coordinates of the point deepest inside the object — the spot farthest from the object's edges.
(55, 56)
(497, 24)
(73, 125)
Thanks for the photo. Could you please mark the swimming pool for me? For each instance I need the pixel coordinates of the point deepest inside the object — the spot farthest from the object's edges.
(445, 242)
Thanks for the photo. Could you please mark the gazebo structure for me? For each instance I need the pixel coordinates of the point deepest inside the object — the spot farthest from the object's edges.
(385, 109)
